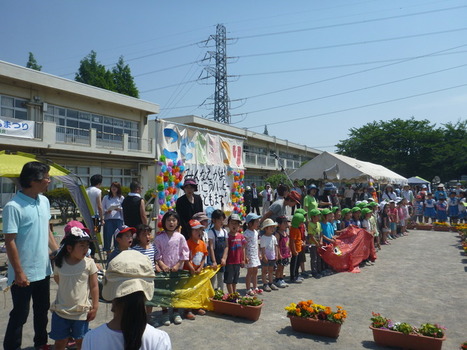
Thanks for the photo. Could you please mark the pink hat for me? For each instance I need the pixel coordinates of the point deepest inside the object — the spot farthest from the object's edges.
(72, 224)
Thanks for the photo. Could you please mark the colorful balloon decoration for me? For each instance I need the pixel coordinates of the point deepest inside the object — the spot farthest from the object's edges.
(237, 190)
(168, 183)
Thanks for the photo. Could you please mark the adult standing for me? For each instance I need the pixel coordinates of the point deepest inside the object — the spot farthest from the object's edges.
(440, 192)
(27, 239)
(279, 207)
(407, 193)
(247, 198)
(188, 205)
(266, 194)
(134, 207)
(348, 196)
(310, 202)
(95, 196)
(325, 200)
(113, 213)
(255, 199)
(297, 189)
(389, 194)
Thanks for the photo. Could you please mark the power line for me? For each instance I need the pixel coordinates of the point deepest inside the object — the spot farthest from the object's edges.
(342, 65)
(351, 91)
(350, 74)
(354, 43)
(352, 23)
(361, 106)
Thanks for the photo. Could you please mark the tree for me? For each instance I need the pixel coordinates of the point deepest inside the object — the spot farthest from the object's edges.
(32, 63)
(92, 72)
(450, 154)
(123, 80)
(410, 147)
(61, 199)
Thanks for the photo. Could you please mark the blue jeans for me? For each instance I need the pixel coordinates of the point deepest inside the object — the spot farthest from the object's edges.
(109, 228)
(39, 291)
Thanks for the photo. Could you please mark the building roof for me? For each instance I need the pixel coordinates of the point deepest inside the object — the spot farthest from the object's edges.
(229, 129)
(31, 77)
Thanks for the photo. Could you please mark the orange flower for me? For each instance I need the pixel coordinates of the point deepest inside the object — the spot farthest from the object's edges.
(327, 310)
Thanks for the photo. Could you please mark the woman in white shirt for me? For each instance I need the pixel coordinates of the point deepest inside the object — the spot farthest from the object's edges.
(113, 214)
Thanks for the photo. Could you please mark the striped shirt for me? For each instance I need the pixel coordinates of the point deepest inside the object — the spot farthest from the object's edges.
(150, 252)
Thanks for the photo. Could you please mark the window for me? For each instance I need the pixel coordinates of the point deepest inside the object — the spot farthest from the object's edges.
(12, 107)
(107, 128)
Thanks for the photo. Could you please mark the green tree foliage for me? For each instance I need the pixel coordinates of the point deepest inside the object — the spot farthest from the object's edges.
(410, 147)
(94, 73)
(118, 79)
(61, 198)
(278, 178)
(123, 80)
(32, 63)
(450, 155)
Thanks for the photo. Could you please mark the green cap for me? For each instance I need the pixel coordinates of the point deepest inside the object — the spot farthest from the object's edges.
(346, 210)
(301, 211)
(366, 211)
(326, 211)
(297, 219)
(315, 212)
(354, 209)
(334, 209)
(361, 205)
(372, 204)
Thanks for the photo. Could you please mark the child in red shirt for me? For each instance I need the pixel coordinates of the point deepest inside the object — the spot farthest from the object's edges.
(236, 244)
(198, 254)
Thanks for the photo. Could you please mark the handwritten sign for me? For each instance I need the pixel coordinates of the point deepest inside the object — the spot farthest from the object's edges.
(213, 184)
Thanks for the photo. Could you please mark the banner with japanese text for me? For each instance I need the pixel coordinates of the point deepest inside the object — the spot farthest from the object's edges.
(16, 128)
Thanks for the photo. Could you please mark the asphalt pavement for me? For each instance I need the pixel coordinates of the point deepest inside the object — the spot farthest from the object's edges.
(417, 279)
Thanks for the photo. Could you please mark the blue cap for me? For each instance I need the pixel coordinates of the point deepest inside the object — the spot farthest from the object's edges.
(251, 216)
(312, 186)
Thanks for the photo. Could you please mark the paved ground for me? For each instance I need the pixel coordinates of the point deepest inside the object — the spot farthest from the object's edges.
(419, 278)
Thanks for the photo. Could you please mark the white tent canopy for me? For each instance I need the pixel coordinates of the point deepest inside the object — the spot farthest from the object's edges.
(336, 167)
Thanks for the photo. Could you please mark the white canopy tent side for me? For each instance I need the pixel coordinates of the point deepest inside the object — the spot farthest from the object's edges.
(417, 180)
(349, 169)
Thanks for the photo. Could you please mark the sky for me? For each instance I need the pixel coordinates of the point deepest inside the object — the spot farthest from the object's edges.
(309, 70)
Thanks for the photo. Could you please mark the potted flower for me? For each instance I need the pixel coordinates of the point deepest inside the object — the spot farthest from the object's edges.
(309, 317)
(423, 226)
(236, 305)
(441, 226)
(401, 334)
(463, 346)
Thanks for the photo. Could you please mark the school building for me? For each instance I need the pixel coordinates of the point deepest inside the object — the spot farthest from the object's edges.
(89, 131)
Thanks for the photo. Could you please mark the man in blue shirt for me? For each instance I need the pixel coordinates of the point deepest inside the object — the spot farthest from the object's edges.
(27, 239)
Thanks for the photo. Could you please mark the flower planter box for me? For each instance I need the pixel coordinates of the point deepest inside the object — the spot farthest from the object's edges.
(313, 326)
(233, 309)
(386, 337)
(442, 228)
(424, 227)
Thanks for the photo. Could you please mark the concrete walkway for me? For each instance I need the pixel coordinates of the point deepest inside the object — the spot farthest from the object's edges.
(419, 278)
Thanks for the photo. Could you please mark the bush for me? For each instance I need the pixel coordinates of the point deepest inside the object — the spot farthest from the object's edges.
(61, 199)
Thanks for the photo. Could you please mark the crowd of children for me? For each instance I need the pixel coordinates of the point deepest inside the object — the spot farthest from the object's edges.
(230, 244)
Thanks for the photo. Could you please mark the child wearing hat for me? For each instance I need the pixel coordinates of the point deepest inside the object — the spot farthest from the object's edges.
(328, 235)
(296, 246)
(315, 241)
(128, 284)
(235, 253)
(282, 237)
(76, 276)
(122, 240)
(198, 254)
(346, 218)
(356, 216)
(368, 225)
(269, 254)
(253, 258)
(430, 210)
(302, 254)
(441, 209)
